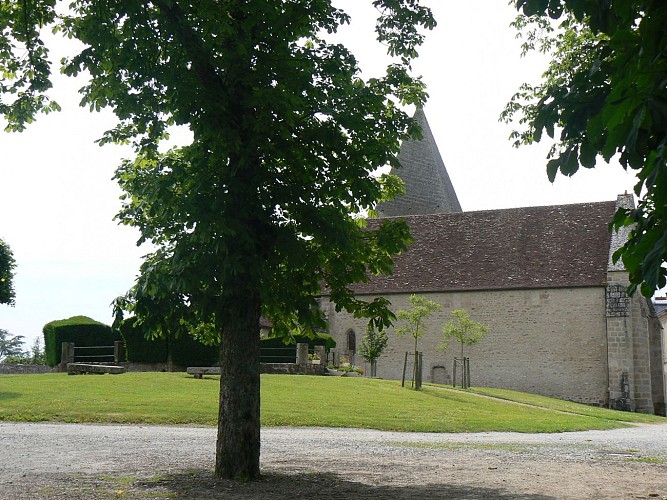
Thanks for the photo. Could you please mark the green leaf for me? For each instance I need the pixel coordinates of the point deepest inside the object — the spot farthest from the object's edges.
(587, 154)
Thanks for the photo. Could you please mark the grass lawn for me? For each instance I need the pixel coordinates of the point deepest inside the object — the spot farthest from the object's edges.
(176, 398)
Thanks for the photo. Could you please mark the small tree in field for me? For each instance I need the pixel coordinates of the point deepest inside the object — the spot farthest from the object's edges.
(415, 317)
(415, 327)
(372, 346)
(463, 329)
(37, 352)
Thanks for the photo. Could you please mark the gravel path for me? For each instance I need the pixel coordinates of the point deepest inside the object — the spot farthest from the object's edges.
(106, 461)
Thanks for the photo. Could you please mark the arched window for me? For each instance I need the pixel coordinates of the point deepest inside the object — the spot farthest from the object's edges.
(351, 341)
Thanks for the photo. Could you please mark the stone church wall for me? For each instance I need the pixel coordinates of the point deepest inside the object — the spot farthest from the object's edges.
(544, 341)
(636, 361)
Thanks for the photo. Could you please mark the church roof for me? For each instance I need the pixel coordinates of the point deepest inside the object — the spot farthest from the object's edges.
(428, 187)
(532, 247)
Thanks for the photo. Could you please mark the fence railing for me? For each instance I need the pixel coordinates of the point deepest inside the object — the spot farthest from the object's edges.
(285, 354)
(101, 354)
(115, 354)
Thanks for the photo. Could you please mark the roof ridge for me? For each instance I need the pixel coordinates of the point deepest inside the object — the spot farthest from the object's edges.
(589, 203)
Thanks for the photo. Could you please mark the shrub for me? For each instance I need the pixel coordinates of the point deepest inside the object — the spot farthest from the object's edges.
(188, 351)
(81, 330)
(138, 348)
(183, 351)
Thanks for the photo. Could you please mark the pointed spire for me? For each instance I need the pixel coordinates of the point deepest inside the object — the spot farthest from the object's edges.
(428, 187)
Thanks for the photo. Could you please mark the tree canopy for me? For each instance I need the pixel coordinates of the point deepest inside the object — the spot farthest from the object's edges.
(7, 266)
(372, 346)
(261, 209)
(463, 329)
(604, 95)
(414, 319)
(10, 345)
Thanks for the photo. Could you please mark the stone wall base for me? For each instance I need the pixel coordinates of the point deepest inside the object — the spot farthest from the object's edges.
(17, 369)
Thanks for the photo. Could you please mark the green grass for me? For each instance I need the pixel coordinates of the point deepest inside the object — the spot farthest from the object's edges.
(176, 398)
(567, 406)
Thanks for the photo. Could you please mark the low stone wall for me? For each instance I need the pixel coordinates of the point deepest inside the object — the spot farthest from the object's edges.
(152, 367)
(292, 369)
(15, 369)
(276, 368)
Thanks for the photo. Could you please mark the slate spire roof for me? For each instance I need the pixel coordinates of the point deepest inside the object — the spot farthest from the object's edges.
(428, 187)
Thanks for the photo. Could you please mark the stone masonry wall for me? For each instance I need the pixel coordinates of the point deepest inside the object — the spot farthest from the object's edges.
(657, 365)
(19, 369)
(633, 351)
(543, 341)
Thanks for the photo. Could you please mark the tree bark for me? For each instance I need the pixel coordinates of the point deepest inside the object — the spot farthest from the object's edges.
(238, 443)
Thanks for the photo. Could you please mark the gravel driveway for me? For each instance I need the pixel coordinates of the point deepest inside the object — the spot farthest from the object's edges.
(107, 461)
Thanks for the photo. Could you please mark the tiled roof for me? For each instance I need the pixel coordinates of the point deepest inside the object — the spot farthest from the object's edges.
(533, 247)
(428, 187)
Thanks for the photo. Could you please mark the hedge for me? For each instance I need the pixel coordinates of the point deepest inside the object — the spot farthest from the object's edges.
(183, 351)
(188, 351)
(138, 348)
(83, 331)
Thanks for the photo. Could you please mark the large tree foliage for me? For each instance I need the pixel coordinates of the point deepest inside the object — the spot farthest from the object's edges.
(7, 266)
(260, 210)
(605, 95)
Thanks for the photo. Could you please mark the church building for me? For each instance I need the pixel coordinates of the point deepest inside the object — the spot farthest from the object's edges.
(561, 322)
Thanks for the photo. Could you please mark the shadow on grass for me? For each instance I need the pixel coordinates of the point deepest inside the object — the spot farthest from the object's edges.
(453, 395)
(9, 395)
(201, 485)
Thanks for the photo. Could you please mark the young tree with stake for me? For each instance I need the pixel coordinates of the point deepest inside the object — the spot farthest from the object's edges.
(415, 326)
(467, 332)
(372, 345)
(463, 329)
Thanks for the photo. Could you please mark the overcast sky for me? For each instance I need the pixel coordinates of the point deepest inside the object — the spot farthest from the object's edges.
(57, 199)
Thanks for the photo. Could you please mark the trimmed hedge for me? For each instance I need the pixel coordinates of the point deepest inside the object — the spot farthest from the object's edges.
(138, 348)
(183, 351)
(82, 330)
(188, 351)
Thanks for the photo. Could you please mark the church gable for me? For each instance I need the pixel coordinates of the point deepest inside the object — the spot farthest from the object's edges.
(532, 247)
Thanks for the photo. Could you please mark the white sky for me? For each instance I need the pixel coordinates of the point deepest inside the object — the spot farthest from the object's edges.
(57, 199)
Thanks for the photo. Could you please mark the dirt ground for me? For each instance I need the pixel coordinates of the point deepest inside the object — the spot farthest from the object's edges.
(93, 462)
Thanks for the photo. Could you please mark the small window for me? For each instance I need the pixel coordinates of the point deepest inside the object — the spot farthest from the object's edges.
(351, 341)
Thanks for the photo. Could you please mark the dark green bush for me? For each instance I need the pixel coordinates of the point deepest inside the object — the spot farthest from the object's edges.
(183, 351)
(138, 348)
(83, 331)
(188, 351)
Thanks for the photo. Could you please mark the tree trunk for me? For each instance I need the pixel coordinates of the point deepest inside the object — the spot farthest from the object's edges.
(237, 448)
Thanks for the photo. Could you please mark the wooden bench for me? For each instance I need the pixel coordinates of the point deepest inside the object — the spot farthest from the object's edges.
(199, 371)
(81, 368)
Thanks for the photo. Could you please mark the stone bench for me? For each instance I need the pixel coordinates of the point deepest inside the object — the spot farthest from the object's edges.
(199, 371)
(81, 368)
